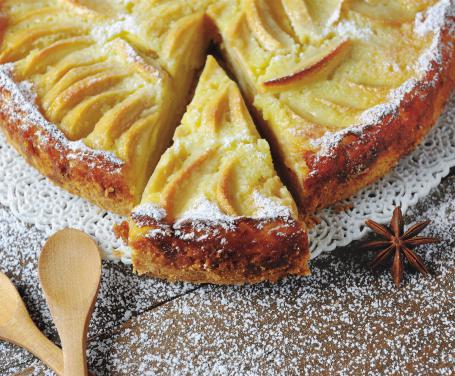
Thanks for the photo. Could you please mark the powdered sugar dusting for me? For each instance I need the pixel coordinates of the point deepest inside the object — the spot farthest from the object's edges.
(390, 108)
(269, 208)
(205, 216)
(151, 211)
(330, 140)
(206, 211)
(435, 18)
(343, 320)
(350, 29)
(335, 16)
(103, 33)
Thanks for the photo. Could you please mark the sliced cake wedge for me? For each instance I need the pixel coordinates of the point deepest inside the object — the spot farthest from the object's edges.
(214, 209)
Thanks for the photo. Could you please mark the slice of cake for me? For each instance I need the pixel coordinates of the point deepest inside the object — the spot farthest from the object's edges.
(214, 209)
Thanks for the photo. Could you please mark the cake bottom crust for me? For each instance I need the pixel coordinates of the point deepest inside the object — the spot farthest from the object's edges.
(248, 251)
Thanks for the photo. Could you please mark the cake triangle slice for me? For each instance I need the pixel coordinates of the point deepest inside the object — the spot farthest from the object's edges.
(214, 209)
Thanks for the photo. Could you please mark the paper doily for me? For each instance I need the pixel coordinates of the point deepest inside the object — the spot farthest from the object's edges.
(35, 200)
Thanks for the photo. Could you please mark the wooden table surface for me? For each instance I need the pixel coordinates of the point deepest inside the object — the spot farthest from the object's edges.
(341, 320)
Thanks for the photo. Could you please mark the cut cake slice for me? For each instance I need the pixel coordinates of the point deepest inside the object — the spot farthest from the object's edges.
(214, 209)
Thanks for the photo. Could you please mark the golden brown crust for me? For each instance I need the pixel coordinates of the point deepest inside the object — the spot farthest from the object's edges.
(246, 251)
(97, 177)
(360, 159)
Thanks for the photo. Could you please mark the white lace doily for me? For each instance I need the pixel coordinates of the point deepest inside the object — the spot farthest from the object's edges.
(32, 198)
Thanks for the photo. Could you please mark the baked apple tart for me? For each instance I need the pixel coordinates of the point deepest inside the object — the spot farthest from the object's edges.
(92, 91)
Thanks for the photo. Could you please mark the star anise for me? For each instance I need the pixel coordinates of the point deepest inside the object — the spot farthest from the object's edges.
(398, 243)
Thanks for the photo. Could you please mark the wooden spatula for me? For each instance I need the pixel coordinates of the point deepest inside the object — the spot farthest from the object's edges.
(70, 271)
(17, 327)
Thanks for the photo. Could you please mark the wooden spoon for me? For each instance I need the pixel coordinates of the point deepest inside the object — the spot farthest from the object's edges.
(17, 327)
(70, 272)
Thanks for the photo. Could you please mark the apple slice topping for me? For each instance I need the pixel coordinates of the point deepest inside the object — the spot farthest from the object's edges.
(268, 33)
(386, 11)
(299, 17)
(314, 67)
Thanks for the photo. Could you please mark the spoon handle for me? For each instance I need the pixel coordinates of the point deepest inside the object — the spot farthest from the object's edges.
(25, 334)
(45, 350)
(74, 354)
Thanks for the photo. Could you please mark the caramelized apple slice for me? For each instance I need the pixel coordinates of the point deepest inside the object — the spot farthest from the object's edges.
(145, 66)
(119, 119)
(18, 45)
(72, 77)
(30, 16)
(351, 94)
(78, 92)
(318, 65)
(322, 112)
(81, 120)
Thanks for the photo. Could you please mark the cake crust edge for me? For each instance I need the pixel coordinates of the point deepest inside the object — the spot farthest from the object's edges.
(96, 176)
(248, 251)
(359, 160)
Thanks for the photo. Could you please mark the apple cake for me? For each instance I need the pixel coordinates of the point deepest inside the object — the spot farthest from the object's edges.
(92, 92)
(214, 208)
